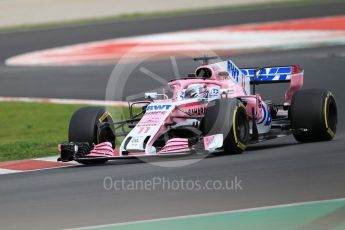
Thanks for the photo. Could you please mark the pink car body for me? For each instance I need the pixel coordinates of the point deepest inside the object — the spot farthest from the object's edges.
(215, 81)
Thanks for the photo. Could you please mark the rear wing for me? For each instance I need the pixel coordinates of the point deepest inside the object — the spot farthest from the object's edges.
(290, 74)
(269, 75)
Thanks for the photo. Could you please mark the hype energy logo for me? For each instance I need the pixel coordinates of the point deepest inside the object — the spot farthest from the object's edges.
(158, 107)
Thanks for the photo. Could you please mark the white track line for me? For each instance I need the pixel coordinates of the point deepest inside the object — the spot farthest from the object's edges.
(7, 171)
(54, 159)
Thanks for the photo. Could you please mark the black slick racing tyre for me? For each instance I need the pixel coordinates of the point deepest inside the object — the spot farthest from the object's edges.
(315, 112)
(83, 124)
(83, 128)
(228, 117)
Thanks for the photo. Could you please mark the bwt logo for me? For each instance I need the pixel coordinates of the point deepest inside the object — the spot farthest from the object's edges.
(233, 70)
(157, 107)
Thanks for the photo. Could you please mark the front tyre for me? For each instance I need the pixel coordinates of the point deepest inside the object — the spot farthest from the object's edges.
(316, 111)
(83, 127)
(227, 117)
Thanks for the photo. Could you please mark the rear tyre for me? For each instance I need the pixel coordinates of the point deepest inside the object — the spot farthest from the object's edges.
(316, 111)
(228, 117)
(83, 127)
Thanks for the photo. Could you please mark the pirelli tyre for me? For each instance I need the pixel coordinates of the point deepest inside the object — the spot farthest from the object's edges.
(228, 117)
(313, 115)
(83, 124)
(83, 127)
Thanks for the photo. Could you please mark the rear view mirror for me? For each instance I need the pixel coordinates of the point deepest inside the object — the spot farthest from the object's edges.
(151, 95)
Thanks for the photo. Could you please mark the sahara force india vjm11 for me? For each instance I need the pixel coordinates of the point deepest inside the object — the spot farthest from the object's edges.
(214, 110)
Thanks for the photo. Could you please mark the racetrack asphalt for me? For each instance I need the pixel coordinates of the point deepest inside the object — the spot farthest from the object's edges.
(275, 172)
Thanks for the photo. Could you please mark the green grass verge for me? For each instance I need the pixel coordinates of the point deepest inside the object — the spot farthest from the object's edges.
(150, 15)
(31, 130)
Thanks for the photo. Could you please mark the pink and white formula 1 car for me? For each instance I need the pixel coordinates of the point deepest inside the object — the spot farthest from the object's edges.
(214, 110)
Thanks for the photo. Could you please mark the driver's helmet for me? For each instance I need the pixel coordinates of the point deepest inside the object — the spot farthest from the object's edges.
(196, 90)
